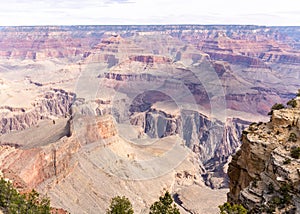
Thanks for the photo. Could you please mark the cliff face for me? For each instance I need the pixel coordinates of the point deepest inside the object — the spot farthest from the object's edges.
(37, 163)
(94, 163)
(80, 107)
(37, 166)
(210, 139)
(42, 43)
(264, 173)
(54, 103)
(213, 141)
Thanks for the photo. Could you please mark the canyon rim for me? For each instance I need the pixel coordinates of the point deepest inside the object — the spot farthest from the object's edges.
(91, 112)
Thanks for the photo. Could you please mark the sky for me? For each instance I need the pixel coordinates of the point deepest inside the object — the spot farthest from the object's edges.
(128, 12)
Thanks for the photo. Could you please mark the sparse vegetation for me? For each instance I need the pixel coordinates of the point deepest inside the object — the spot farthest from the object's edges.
(11, 201)
(272, 204)
(164, 205)
(295, 152)
(227, 208)
(276, 106)
(293, 137)
(120, 205)
(280, 201)
(287, 161)
(271, 188)
(285, 192)
(292, 103)
(244, 132)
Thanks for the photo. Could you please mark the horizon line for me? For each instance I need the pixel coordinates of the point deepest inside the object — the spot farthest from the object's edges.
(103, 25)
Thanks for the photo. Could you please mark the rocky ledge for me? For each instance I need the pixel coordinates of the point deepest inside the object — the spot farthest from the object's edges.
(265, 173)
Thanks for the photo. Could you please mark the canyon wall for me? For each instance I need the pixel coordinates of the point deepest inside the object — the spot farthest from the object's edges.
(80, 107)
(264, 173)
(55, 103)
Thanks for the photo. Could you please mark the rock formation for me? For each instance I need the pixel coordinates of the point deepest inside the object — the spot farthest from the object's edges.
(264, 173)
(88, 112)
(55, 103)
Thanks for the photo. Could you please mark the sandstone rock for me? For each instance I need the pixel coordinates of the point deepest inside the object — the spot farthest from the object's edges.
(201, 200)
(55, 103)
(212, 141)
(98, 75)
(263, 169)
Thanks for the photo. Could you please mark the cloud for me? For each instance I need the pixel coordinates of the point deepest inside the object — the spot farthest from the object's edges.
(119, 1)
(98, 12)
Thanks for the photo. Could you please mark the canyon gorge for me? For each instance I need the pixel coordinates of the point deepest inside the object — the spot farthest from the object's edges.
(91, 112)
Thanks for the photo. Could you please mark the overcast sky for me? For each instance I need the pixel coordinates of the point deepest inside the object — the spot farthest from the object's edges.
(102, 12)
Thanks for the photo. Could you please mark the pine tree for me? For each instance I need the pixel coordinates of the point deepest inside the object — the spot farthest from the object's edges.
(11, 201)
(164, 205)
(120, 205)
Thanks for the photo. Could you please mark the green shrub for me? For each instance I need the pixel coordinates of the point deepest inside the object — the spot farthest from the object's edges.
(293, 137)
(276, 201)
(120, 205)
(285, 192)
(164, 205)
(271, 188)
(295, 152)
(244, 132)
(292, 103)
(287, 161)
(227, 208)
(11, 201)
(276, 106)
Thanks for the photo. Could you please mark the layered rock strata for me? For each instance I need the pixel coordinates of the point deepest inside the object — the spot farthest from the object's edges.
(264, 173)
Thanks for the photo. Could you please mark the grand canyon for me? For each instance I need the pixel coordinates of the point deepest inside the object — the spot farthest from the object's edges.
(91, 112)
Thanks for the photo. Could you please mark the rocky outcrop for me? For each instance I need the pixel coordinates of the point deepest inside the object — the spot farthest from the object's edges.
(238, 59)
(94, 128)
(257, 51)
(256, 102)
(55, 103)
(148, 59)
(264, 173)
(41, 43)
(192, 65)
(212, 141)
(80, 165)
(250, 43)
(280, 57)
(131, 77)
(221, 67)
(200, 133)
(31, 165)
(37, 165)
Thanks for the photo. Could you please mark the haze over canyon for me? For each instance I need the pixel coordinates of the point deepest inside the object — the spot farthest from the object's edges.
(91, 112)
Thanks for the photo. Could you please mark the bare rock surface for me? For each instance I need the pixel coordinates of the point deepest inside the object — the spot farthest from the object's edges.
(201, 200)
(91, 112)
(264, 173)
